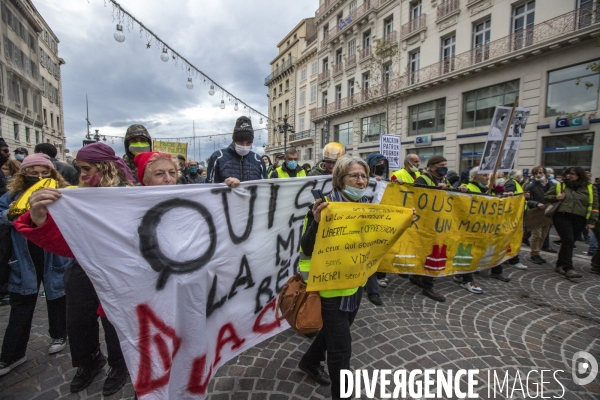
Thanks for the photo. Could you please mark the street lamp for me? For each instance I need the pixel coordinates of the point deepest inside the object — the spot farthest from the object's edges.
(285, 128)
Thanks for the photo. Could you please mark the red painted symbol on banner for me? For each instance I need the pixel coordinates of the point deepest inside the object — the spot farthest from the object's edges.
(154, 334)
(196, 385)
(259, 326)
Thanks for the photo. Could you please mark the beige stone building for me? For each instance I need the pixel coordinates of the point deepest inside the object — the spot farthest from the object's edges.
(455, 61)
(282, 86)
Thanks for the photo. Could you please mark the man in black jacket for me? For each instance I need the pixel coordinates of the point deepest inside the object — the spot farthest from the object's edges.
(68, 172)
(237, 163)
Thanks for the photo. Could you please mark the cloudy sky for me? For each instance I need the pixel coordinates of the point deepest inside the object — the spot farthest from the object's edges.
(232, 41)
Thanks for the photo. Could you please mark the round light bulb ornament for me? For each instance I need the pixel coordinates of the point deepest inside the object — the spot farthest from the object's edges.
(189, 84)
(212, 90)
(235, 107)
(164, 56)
(119, 35)
(222, 104)
(261, 121)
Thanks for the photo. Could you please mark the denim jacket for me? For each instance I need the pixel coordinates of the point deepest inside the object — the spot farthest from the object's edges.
(22, 277)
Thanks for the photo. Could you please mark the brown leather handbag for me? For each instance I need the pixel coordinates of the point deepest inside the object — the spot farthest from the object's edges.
(301, 309)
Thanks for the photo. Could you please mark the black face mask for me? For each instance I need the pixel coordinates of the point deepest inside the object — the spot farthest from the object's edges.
(31, 180)
(379, 169)
(571, 183)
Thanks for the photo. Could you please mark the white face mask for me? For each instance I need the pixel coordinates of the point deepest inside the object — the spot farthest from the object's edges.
(413, 168)
(500, 181)
(242, 150)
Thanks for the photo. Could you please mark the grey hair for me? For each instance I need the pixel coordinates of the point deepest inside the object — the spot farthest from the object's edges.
(291, 151)
(514, 173)
(341, 168)
(473, 173)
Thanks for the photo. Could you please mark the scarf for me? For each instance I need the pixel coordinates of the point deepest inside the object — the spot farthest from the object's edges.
(99, 152)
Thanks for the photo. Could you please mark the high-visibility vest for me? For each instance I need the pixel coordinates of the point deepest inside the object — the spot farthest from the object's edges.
(590, 198)
(405, 176)
(304, 266)
(431, 182)
(518, 187)
(473, 188)
(283, 174)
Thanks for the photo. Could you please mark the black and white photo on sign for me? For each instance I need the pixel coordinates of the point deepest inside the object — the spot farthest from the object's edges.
(509, 154)
(490, 155)
(499, 123)
(518, 123)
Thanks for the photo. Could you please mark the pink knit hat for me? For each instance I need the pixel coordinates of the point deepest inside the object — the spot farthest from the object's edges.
(36, 159)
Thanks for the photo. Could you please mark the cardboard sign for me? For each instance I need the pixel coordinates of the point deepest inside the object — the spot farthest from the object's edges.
(536, 218)
(390, 147)
(173, 148)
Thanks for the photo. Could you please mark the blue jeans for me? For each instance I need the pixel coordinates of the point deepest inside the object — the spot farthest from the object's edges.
(333, 340)
(593, 243)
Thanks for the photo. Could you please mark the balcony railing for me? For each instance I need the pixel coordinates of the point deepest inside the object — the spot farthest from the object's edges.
(323, 8)
(447, 7)
(323, 75)
(301, 135)
(338, 68)
(280, 70)
(391, 37)
(529, 37)
(366, 52)
(351, 61)
(414, 25)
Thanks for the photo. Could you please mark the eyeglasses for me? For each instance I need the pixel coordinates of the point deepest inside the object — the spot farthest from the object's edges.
(356, 177)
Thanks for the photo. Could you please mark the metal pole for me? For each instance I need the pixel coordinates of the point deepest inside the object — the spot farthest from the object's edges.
(285, 128)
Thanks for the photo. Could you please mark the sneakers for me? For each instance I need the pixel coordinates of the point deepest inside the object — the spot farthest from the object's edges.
(572, 274)
(375, 299)
(434, 295)
(85, 375)
(416, 280)
(472, 287)
(500, 277)
(57, 345)
(6, 367)
(518, 265)
(536, 259)
(115, 380)
(382, 282)
(457, 278)
(559, 270)
(4, 299)
(318, 375)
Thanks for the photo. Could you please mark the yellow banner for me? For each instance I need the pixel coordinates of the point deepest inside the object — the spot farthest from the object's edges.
(351, 241)
(455, 232)
(173, 148)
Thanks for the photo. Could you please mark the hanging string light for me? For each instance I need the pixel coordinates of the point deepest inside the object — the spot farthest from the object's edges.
(164, 56)
(235, 107)
(119, 35)
(212, 90)
(222, 104)
(189, 84)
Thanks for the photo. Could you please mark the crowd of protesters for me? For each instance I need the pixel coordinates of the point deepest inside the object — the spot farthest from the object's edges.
(33, 251)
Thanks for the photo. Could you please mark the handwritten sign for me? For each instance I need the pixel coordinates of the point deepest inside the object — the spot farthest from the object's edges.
(536, 218)
(351, 241)
(455, 232)
(173, 148)
(389, 146)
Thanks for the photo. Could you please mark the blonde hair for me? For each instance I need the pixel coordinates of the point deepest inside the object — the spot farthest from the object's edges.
(19, 182)
(111, 175)
(158, 157)
(13, 166)
(341, 168)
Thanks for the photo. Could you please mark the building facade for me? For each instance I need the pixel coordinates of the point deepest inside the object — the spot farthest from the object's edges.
(433, 71)
(282, 87)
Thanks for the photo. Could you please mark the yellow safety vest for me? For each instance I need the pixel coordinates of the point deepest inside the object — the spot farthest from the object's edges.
(590, 198)
(405, 176)
(431, 182)
(283, 174)
(473, 188)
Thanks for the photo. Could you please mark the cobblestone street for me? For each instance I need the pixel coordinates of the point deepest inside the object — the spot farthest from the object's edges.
(537, 321)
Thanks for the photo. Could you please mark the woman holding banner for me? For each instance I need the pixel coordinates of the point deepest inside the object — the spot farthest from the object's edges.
(578, 209)
(29, 266)
(338, 307)
(99, 168)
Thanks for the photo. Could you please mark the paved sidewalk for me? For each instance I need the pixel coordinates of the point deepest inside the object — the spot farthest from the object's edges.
(537, 321)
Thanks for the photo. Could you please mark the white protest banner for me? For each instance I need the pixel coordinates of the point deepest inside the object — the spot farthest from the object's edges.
(492, 152)
(389, 146)
(189, 274)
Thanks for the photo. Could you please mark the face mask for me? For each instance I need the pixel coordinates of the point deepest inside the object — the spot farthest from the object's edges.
(193, 169)
(242, 150)
(441, 171)
(551, 176)
(32, 179)
(540, 179)
(292, 165)
(92, 180)
(500, 181)
(379, 170)
(413, 168)
(140, 147)
(19, 157)
(8, 176)
(354, 193)
(280, 163)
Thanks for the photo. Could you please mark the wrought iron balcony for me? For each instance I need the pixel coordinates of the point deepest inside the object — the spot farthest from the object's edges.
(414, 25)
(323, 76)
(447, 7)
(351, 61)
(365, 53)
(301, 135)
(280, 70)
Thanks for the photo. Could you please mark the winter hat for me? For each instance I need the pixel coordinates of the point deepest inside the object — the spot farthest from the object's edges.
(435, 160)
(22, 150)
(142, 160)
(36, 159)
(243, 131)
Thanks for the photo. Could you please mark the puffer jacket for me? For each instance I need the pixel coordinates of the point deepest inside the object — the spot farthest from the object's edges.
(575, 202)
(227, 163)
(373, 159)
(319, 169)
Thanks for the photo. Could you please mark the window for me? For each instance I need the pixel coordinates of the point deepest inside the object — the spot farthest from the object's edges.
(324, 98)
(13, 90)
(280, 110)
(314, 68)
(366, 41)
(415, 9)
(566, 150)
(427, 117)
(568, 91)
(351, 48)
(470, 155)
(387, 71)
(338, 93)
(302, 98)
(365, 86)
(351, 87)
(313, 93)
(45, 117)
(447, 53)
(303, 74)
(479, 105)
(28, 135)
(388, 25)
(16, 131)
(301, 124)
(287, 85)
(373, 127)
(58, 123)
(274, 112)
(426, 153)
(25, 99)
(280, 89)
(352, 6)
(522, 24)
(274, 92)
(37, 137)
(325, 31)
(342, 133)
(586, 10)
(481, 40)
(287, 107)
(413, 66)
(338, 56)
(51, 119)
(309, 154)
(325, 64)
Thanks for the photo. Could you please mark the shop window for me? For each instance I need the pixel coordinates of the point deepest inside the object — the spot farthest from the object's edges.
(427, 117)
(480, 104)
(569, 90)
(426, 153)
(373, 127)
(342, 133)
(559, 152)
